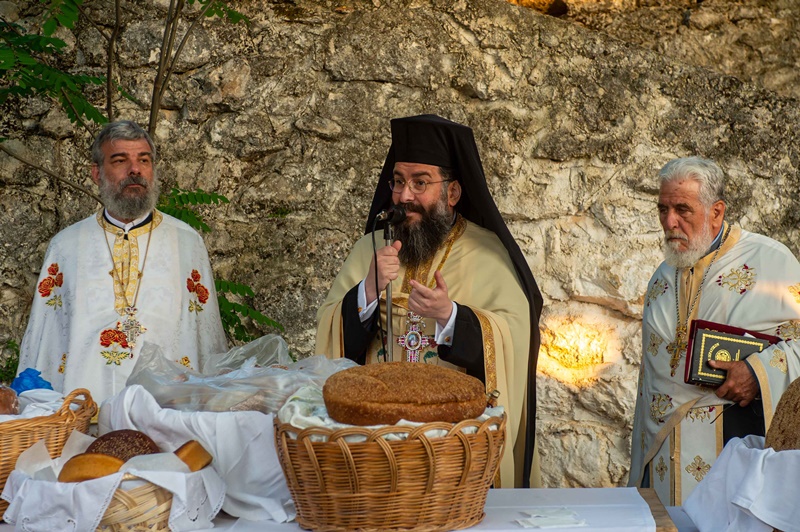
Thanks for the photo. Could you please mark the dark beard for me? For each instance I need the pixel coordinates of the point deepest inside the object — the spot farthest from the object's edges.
(129, 207)
(422, 239)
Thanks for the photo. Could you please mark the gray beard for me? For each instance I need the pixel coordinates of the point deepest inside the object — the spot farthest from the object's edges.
(129, 207)
(696, 251)
(421, 240)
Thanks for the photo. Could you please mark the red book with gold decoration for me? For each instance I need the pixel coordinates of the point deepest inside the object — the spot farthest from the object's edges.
(717, 341)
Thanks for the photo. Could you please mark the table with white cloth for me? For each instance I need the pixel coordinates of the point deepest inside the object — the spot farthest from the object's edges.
(612, 509)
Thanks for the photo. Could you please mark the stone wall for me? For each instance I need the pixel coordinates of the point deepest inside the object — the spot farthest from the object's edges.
(288, 117)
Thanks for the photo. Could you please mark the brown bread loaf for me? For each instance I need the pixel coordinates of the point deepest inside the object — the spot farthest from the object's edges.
(384, 393)
(194, 455)
(124, 444)
(784, 432)
(9, 402)
(88, 466)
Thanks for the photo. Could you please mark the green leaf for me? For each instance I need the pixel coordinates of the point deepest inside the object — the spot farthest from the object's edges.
(49, 26)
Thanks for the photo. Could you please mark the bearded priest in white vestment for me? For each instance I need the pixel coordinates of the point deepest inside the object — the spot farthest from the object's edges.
(464, 296)
(125, 275)
(718, 272)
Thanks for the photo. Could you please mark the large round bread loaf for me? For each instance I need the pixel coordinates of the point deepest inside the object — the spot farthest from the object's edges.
(124, 444)
(385, 393)
(784, 432)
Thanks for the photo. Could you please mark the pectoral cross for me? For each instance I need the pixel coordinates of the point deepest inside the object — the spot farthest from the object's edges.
(413, 340)
(677, 348)
(131, 326)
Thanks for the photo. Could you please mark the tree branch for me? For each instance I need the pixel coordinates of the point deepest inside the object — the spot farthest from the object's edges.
(93, 23)
(50, 173)
(170, 24)
(177, 54)
(111, 53)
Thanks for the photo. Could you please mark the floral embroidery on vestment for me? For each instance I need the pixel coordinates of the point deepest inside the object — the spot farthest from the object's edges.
(655, 343)
(789, 330)
(659, 287)
(63, 363)
(739, 279)
(185, 362)
(661, 468)
(194, 286)
(699, 414)
(698, 468)
(114, 339)
(659, 406)
(779, 361)
(795, 291)
(48, 285)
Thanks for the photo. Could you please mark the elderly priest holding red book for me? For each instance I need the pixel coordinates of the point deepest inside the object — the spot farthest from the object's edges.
(718, 272)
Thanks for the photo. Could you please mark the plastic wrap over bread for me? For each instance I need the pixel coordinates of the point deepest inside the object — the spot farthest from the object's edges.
(258, 376)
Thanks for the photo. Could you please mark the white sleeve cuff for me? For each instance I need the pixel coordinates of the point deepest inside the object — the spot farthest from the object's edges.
(365, 311)
(444, 335)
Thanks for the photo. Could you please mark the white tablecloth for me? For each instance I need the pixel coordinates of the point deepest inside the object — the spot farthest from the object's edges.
(612, 509)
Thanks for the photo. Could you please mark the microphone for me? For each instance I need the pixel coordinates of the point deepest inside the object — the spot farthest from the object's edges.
(393, 215)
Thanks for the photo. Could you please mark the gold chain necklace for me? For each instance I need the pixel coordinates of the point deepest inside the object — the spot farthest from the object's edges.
(130, 326)
(678, 346)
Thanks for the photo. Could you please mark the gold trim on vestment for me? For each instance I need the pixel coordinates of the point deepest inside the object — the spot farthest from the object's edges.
(420, 273)
(677, 465)
(489, 362)
(125, 256)
(766, 394)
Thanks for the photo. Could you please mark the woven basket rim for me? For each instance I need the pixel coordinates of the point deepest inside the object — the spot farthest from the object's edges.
(373, 434)
(64, 414)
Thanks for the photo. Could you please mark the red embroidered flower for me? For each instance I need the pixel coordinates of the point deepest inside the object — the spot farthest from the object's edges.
(59, 280)
(53, 269)
(195, 276)
(107, 337)
(202, 293)
(46, 286)
(113, 336)
(190, 285)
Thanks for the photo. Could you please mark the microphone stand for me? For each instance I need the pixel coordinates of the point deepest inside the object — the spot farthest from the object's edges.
(388, 238)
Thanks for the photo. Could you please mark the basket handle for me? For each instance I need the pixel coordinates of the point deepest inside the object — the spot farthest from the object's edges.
(86, 404)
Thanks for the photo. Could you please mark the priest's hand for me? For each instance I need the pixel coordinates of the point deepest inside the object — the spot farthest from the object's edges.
(740, 386)
(388, 270)
(431, 302)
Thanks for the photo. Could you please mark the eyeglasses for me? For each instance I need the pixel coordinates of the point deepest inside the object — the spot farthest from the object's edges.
(416, 186)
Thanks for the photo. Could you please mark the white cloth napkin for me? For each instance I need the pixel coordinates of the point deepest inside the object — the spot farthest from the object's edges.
(748, 488)
(560, 517)
(242, 444)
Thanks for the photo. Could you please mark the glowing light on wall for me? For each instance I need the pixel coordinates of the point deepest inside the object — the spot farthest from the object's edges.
(574, 350)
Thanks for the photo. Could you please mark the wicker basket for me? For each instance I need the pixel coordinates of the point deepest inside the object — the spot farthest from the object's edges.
(419, 483)
(145, 507)
(16, 436)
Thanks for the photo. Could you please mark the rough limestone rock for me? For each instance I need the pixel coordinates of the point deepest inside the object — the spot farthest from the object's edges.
(289, 118)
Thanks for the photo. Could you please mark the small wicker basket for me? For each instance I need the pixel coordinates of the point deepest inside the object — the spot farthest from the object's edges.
(419, 483)
(16, 436)
(145, 507)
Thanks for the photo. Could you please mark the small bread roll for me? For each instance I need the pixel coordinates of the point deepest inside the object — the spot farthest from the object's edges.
(88, 466)
(124, 444)
(194, 455)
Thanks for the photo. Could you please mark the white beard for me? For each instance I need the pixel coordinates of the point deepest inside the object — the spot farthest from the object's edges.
(696, 250)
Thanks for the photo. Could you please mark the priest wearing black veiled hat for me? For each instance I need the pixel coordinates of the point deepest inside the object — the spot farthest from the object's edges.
(463, 295)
